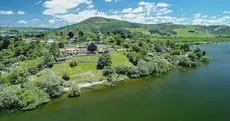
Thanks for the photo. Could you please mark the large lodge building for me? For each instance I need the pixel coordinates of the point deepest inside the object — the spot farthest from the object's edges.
(75, 51)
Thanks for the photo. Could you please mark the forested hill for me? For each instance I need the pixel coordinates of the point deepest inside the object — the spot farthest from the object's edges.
(100, 25)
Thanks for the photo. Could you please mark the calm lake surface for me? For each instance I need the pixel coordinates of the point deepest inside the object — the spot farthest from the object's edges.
(201, 94)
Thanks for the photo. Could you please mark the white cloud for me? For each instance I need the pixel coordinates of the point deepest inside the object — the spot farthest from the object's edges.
(111, 1)
(226, 12)
(35, 19)
(39, 2)
(74, 11)
(54, 7)
(21, 12)
(162, 5)
(200, 19)
(52, 21)
(22, 22)
(108, 0)
(6, 12)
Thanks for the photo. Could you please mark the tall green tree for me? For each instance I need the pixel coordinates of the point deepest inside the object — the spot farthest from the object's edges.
(104, 61)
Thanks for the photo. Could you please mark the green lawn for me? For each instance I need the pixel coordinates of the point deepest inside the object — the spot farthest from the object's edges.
(119, 58)
(86, 67)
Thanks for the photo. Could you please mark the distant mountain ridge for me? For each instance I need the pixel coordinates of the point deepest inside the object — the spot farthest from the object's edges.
(96, 25)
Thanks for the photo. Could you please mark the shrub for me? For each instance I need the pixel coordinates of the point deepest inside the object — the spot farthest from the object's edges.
(133, 72)
(65, 76)
(53, 86)
(32, 98)
(9, 96)
(75, 91)
(176, 52)
(185, 47)
(192, 56)
(184, 61)
(122, 69)
(108, 71)
(161, 66)
(73, 63)
(143, 68)
(204, 59)
(18, 75)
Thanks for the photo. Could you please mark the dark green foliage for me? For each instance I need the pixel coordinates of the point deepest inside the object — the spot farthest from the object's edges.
(32, 98)
(54, 50)
(134, 57)
(48, 61)
(198, 52)
(92, 47)
(53, 86)
(205, 59)
(162, 66)
(75, 91)
(186, 62)
(104, 61)
(18, 75)
(176, 52)
(133, 72)
(9, 96)
(185, 47)
(73, 64)
(192, 56)
(108, 71)
(81, 33)
(122, 69)
(65, 76)
(143, 68)
(71, 35)
(204, 53)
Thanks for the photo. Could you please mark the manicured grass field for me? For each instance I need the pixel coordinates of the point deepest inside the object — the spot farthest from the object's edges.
(88, 67)
(119, 58)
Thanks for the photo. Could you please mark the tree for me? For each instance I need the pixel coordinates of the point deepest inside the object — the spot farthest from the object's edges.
(133, 72)
(54, 50)
(75, 91)
(108, 71)
(18, 76)
(143, 68)
(48, 61)
(9, 96)
(122, 69)
(31, 98)
(185, 47)
(81, 33)
(53, 86)
(92, 47)
(134, 57)
(104, 61)
(70, 34)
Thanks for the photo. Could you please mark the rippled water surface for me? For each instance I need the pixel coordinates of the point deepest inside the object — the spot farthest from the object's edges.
(201, 94)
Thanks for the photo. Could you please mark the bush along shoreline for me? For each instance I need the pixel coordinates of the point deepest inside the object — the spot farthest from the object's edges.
(161, 59)
(148, 58)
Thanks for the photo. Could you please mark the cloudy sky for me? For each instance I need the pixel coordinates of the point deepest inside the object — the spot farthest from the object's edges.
(56, 13)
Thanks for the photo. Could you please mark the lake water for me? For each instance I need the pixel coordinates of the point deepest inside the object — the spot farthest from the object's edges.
(201, 94)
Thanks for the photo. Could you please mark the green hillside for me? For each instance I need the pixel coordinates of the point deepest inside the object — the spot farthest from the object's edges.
(99, 25)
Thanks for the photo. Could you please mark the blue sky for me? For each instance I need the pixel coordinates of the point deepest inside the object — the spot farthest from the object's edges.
(56, 13)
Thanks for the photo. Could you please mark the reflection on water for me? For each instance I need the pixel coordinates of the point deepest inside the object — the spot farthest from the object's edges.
(200, 94)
